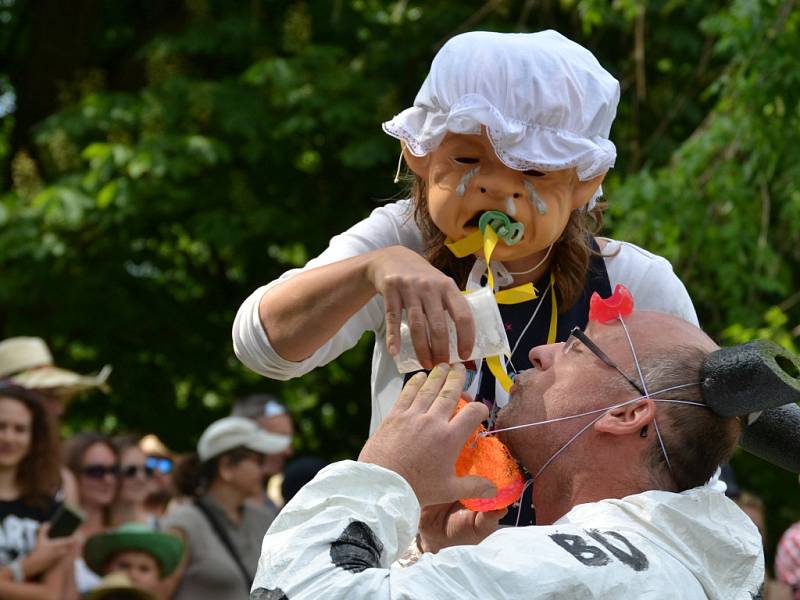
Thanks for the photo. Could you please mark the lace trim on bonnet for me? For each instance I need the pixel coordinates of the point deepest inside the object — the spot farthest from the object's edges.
(565, 128)
(517, 144)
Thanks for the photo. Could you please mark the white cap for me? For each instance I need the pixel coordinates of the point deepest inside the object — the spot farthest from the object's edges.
(239, 432)
(545, 101)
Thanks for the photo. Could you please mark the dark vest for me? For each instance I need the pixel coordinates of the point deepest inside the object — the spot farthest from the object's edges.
(515, 317)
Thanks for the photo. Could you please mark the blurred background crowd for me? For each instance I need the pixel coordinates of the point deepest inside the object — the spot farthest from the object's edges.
(99, 516)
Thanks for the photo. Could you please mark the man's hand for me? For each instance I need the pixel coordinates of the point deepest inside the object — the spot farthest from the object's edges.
(445, 525)
(421, 442)
(406, 280)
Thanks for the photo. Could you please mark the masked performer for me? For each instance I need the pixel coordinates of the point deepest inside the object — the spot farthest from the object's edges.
(507, 128)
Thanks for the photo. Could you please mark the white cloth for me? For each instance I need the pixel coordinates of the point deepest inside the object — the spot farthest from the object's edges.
(86, 580)
(649, 278)
(693, 545)
(545, 101)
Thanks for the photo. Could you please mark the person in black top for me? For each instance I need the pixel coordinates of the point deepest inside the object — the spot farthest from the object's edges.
(31, 564)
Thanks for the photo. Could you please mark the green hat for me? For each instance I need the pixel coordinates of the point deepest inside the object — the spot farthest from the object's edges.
(166, 548)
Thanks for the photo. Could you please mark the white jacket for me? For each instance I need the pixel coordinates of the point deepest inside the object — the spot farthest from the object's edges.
(649, 278)
(339, 536)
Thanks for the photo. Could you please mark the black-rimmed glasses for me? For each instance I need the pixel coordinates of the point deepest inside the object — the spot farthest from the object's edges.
(577, 335)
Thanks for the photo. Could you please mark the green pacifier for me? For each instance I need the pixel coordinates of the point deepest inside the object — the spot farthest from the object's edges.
(507, 231)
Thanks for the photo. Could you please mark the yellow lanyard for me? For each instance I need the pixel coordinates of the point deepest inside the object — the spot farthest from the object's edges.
(515, 295)
(494, 363)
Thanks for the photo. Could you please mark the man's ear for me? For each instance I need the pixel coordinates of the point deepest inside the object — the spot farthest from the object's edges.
(627, 419)
(418, 164)
(584, 190)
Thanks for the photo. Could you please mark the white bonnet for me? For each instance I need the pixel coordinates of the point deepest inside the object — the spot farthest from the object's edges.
(545, 101)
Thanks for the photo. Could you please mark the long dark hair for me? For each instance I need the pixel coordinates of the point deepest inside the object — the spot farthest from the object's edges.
(37, 475)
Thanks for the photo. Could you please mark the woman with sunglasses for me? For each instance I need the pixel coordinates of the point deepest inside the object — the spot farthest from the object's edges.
(94, 461)
(32, 565)
(135, 483)
(159, 459)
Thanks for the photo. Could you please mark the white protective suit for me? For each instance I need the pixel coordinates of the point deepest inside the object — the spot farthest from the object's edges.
(339, 536)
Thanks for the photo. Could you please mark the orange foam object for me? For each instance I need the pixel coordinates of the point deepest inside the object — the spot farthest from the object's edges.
(486, 456)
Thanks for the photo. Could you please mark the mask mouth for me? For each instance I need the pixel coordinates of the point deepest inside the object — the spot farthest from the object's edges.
(503, 227)
(474, 221)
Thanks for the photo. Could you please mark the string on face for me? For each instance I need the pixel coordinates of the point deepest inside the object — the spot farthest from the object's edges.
(644, 388)
(605, 409)
(599, 412)
(536, 266)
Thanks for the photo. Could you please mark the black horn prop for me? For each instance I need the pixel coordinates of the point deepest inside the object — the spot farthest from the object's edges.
(759, 381)
(775, 437)
(745, 379)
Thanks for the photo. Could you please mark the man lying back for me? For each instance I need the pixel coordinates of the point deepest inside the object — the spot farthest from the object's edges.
(613, 429)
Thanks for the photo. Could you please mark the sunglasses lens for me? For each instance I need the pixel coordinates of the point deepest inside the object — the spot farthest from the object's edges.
(132, 471)
(100, 471)
(94, 471)
(156, 463)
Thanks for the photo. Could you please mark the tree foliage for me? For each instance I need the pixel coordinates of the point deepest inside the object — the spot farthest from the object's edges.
(162, 160)
(726, 208)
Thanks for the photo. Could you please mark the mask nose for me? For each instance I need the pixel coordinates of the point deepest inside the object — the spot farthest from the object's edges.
(499, 182)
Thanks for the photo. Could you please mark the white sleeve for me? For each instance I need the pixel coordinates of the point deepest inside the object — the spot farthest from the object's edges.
(649, 278)
(337, 539)
(338, 536)
(389, 225)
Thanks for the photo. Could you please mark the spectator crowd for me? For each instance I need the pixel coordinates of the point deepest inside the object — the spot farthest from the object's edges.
(101, 517)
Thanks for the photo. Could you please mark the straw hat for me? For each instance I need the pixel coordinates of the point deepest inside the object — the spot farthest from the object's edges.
(27, 361)
(153, 446)
(117, 586)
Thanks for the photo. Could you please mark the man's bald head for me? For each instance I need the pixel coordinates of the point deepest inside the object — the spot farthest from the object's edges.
(671, 353)
(659, 332)
(655, 336)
